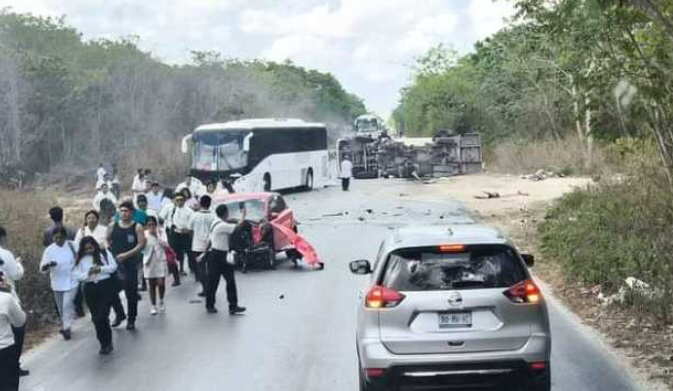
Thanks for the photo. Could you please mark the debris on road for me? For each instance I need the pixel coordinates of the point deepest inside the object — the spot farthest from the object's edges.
(541, 175)
(489, 195)
(631, 285)
(334, 214)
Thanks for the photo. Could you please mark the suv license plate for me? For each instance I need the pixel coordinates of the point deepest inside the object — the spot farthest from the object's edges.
(449, 320)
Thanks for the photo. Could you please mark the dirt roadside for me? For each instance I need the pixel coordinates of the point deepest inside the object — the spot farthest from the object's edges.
(519, 210)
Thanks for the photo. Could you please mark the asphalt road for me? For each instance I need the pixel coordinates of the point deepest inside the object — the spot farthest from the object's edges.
(298, 333)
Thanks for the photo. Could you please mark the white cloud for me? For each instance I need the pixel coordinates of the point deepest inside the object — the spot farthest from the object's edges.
(367, 44)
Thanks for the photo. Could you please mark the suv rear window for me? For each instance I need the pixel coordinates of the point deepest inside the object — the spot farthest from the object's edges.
(478, 267)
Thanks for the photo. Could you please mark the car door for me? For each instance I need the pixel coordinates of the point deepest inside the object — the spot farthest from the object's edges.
(280, 214)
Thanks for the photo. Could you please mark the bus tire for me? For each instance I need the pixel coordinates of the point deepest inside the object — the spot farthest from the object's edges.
(309, 180)
(267, 182)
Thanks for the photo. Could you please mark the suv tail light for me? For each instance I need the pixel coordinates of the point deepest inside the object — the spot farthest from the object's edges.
(525, 292)
(382, 297)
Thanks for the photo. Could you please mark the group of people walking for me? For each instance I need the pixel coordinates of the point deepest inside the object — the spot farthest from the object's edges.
(133, 246)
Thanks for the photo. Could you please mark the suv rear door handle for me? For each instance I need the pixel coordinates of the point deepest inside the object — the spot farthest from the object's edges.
(456, 343)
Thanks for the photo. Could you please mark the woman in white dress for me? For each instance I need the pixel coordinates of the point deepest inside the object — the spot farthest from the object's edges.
(154, 264)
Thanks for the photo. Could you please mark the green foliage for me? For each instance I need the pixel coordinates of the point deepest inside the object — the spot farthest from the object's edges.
(606, 234)
(65, 100)
(590, 69)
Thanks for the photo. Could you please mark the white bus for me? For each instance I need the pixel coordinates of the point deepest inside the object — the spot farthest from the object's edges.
(260, 154)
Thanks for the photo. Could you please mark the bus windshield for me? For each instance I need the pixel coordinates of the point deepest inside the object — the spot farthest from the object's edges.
(367, 125)
(219, 151)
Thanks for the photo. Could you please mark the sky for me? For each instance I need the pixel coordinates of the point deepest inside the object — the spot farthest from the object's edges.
(369, 45)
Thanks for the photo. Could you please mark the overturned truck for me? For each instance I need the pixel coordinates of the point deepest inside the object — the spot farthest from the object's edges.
(440, 156)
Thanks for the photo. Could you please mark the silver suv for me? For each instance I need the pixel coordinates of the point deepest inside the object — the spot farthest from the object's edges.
(451, 308)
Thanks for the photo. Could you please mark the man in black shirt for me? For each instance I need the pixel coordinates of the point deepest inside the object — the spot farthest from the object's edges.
(127, 240)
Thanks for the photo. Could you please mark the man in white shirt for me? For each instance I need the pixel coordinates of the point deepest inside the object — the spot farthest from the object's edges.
(103, 194)
(12, 269)
(220, 234)
(346, 173)
(154, 198)
(100, 173)
(194, 186)
(138, 185)
(200, 225)
(11, 317)
(180, 217)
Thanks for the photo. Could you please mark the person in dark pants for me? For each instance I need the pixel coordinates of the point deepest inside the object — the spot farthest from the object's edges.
(180, 218)
(11, 316)
(199, 226)
(94, 267)
(216, 256)
(12, 269)
(127, 240)
(116, 301)
(346, 173)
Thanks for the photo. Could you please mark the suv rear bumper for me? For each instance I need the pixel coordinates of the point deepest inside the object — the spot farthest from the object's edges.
(373, 354)
(442, 371)
(509, 375)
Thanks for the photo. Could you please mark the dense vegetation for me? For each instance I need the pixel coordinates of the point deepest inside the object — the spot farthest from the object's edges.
(590, 69)
(67, 100)
(623, 228)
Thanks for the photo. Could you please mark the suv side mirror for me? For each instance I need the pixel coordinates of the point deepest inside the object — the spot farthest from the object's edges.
(529, 259)
(361, 266)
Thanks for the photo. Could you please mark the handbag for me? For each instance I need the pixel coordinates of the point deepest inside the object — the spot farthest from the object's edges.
(171, 257)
